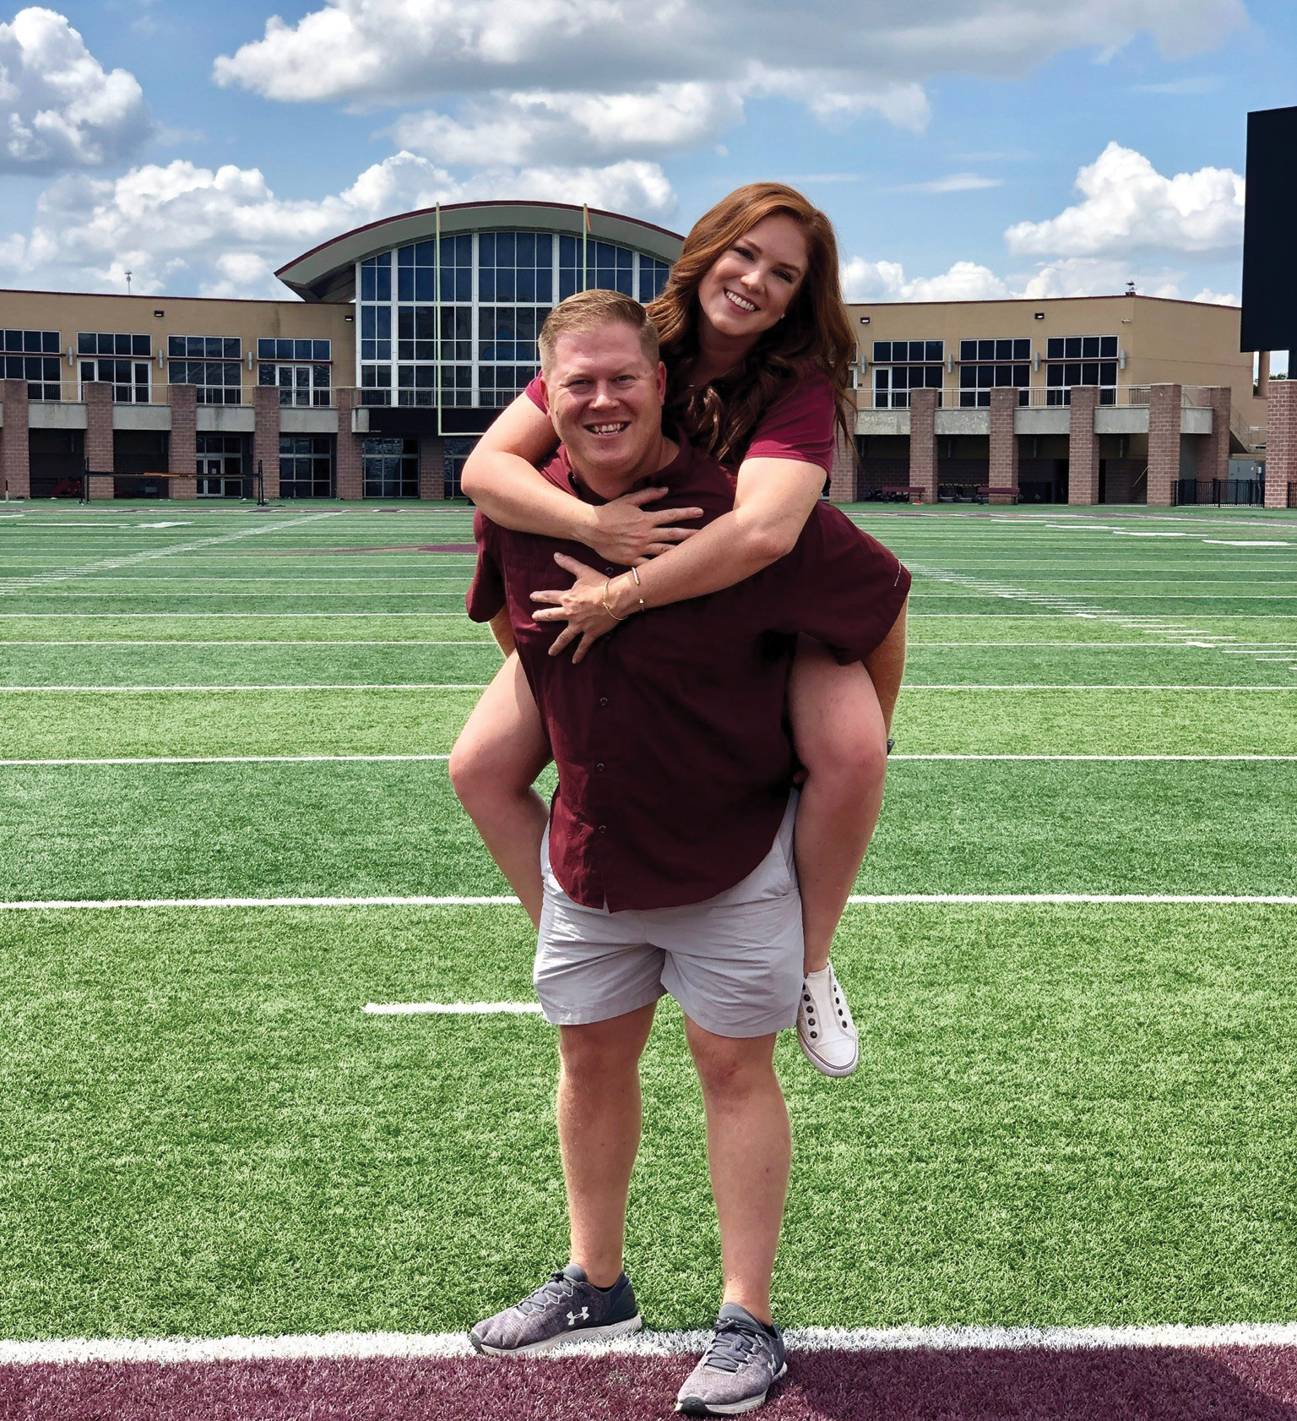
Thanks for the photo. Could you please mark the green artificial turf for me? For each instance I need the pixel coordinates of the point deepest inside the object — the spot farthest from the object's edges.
(363, 829)
(1075, 1115)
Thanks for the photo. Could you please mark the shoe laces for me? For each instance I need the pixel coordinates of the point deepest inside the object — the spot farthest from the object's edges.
(732, 1344)
(555, 1289)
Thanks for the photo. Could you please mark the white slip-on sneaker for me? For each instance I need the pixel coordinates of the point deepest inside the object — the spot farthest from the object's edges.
(825, 1031)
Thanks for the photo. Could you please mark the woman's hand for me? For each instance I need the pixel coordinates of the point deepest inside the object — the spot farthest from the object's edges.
(581, 606)
(624, 533)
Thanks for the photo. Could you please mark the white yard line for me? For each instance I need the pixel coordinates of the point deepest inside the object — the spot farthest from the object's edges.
(227, 760)
(345, 1346)
(320, 641)
(481, 686)
(321, 686)
(228, 616)
(856, 900)
(122, 760)
(68, 574)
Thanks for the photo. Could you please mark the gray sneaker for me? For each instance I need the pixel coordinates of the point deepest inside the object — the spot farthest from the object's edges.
(741, 1363)
(565, 1308)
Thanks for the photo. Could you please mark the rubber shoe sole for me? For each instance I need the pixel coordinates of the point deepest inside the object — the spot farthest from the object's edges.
(560, 1339)
(695, 1406)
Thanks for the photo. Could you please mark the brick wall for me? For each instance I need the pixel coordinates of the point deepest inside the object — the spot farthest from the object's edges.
(182, 451)
(1281, 441)
(923, 442)
(1082, 447)
(432, 468)
(1213, 455)
(1163, 444)
(265, 438)
(348, 476)
(15, 459)
(99, 426)
(1002, 471)
(842, 472)
(1119, 479)
(101, 487)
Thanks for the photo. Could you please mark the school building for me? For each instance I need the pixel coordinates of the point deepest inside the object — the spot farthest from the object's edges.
(403, 338)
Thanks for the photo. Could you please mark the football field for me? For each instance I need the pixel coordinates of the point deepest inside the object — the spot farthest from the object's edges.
(228, 829)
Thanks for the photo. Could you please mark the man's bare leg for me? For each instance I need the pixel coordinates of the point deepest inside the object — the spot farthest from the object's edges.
(500, 751)
(599, 1131)
(749, 1150)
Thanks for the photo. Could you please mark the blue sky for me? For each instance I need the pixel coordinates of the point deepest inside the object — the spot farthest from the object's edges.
(202, 146)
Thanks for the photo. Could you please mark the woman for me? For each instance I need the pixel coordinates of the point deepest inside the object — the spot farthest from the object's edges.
(757, 346)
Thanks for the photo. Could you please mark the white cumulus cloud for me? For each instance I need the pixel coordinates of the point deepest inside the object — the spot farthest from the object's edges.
(886, 281)
(878, 60)
(59, 108)
(223, 231)
(1127, 205)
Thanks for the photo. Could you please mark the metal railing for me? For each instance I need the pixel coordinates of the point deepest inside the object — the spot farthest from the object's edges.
(1243, 493)
(72, 391)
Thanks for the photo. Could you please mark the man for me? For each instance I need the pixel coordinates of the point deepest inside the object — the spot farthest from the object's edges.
(668, 861)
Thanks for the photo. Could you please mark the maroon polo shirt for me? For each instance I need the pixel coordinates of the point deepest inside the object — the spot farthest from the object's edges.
(671, 737)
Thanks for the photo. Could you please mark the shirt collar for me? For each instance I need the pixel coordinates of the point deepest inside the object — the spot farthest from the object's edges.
(667, 475)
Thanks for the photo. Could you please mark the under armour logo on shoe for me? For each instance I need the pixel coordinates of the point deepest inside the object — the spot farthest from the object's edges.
(573, 1318)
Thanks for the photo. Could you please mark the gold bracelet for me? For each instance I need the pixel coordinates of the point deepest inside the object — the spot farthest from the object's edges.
(604, 599)
(634, 572)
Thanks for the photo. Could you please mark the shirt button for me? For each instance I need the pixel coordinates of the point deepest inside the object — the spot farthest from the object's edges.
(609, 571)
(603, 700)
(603, 828)
(600, 766)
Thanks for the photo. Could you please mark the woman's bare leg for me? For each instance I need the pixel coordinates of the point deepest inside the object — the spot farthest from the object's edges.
(499, 753)
(841, 740)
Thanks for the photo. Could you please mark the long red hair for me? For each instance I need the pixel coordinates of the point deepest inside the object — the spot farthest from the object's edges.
(815, 332)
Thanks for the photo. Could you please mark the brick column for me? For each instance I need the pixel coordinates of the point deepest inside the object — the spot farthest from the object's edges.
(842, 472)
(923, 442)
(265, 436)
(98, 396)
(432, 467)
(102, 487)
(1082, 446)
(1213, 456)
(347, 470)
(1280, 441)
(182, 447)
(15, 455)
(1163, 444)
(1002, 467)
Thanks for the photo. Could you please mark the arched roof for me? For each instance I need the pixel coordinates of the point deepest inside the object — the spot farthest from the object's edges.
(327, 272)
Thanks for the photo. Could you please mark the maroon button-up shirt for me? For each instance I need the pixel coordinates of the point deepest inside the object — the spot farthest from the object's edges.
(671, 737)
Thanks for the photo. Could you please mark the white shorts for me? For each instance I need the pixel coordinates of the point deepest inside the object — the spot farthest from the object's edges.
(733, 962)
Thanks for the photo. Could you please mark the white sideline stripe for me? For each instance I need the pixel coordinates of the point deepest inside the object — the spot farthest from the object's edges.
(399, 759)
(452, 1345)
(451, 1009)
(508, 900)
(481, 686)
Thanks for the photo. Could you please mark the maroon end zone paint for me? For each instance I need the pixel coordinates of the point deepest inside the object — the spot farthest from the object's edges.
(1120, 1384)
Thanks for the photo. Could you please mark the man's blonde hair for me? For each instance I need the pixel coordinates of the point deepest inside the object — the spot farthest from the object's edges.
(590, 310)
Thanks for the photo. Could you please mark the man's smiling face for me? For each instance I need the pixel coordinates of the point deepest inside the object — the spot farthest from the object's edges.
(605, 398)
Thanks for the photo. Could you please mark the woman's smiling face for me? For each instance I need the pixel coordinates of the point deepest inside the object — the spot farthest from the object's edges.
(753, 282)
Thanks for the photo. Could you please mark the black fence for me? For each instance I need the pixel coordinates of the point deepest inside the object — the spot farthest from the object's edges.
(1245, 493)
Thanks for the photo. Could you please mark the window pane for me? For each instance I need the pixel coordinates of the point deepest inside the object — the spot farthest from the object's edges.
(1090, 347)
(1004, 350)
(968, 350)
(932, 350)
(1108, 347)
(1090, 373)
(882, 350)
(1022, 350)
(1072, 349)
(265, 349)
(320, 350)
(1054, 348)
